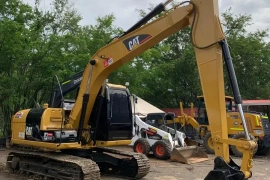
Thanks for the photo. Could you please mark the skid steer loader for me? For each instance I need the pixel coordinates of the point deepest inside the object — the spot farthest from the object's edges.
(164, 142)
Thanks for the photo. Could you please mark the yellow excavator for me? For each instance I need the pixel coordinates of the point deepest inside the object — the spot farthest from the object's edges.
(257, 124)
(54, 143)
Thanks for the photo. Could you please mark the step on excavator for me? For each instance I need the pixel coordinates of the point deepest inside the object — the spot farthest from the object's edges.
(53, 143)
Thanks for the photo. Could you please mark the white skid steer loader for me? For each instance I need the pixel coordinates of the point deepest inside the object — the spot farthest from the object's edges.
(164, 142)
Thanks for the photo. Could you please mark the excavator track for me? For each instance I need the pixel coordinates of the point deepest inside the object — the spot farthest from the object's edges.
(136, 167)
(53, 165)
(58, 165)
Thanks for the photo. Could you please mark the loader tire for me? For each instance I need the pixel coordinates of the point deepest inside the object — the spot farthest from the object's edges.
(208, 144)
(238, 151)
(162, 149)
(263, 151)
(141, 145)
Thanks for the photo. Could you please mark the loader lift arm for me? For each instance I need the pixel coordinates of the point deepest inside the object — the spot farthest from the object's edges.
(185, 119)
(206, 31)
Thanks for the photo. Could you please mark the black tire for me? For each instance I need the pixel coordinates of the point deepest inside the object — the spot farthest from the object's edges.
(240, 135)
(162, 149)
(141, 145)
(263, 151)
(206, 145)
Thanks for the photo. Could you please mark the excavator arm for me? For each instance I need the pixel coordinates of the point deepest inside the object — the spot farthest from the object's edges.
(210, 46)
(66, 86)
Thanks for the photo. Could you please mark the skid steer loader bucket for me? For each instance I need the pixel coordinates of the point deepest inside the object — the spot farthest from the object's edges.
(190, 142)
(189, 154)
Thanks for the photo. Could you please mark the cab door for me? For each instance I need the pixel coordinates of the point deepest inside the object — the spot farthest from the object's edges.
(120, 115)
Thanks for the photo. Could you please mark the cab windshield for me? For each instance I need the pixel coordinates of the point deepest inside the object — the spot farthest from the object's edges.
(230, 106)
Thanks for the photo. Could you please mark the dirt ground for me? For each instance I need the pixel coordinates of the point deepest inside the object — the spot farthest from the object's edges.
(165, 170)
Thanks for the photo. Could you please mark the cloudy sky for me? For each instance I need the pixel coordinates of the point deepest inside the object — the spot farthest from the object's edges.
(126, 14)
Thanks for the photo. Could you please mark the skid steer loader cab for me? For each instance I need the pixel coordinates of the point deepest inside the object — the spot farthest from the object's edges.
(187, 150)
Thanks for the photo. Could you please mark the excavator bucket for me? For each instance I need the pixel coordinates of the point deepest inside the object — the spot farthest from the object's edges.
(189, 154)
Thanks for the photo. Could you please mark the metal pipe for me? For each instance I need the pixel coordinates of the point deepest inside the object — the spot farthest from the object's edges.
(89, 80)
(243, 122)
(157, 10)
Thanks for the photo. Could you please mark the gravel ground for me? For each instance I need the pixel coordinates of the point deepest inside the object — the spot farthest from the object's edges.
(165, 170)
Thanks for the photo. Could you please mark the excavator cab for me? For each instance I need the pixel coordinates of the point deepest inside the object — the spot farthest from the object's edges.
(112, 114)
(115, 115)
(201, 115)
(230, 105)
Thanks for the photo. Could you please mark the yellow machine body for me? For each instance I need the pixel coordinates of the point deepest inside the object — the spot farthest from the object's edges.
(256, 125)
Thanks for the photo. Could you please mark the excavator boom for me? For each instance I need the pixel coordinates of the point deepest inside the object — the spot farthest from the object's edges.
(122, 50)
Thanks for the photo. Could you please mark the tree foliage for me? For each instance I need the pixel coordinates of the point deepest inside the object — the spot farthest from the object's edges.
(35, 45)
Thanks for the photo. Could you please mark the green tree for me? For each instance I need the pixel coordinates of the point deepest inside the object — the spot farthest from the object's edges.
(14, 16)
(250, 53)
(35, 45)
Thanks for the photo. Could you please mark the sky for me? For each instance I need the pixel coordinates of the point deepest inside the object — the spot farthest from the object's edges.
(126, 14)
